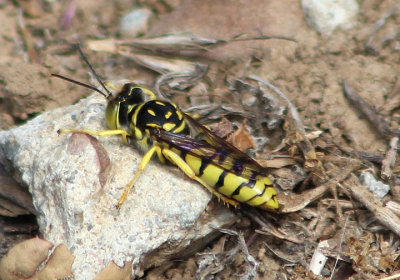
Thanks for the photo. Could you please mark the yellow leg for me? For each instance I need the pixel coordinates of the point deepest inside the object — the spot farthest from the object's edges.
(178, 161)
(110, 85)
(145, 160)
(161, 156)
(103, 133)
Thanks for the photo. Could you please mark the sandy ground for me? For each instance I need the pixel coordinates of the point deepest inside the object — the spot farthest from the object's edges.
(310, 71)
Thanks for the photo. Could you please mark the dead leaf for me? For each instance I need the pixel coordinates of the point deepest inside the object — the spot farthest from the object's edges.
(23, 259)
(223, 128)
(59, 265)
(241, 138)
(277, 162)
(113, 271)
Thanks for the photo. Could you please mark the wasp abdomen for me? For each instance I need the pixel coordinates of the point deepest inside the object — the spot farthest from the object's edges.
(257, 192)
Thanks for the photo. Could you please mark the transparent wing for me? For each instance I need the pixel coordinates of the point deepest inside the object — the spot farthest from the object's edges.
(211, 148)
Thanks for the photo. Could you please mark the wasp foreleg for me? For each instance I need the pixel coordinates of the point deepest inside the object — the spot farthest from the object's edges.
(178, 161)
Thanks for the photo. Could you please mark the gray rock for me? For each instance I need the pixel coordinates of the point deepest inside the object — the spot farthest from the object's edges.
(76, 180)
(327, 15)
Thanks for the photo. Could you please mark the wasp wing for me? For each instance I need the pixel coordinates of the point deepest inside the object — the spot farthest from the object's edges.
(210, 147)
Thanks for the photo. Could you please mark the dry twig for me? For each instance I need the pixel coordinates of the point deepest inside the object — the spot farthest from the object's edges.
(367, 111)
(390, 159)
(373, 204)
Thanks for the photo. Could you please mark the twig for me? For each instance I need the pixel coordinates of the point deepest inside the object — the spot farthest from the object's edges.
(373, 204)
(340, 247)
(367, 110)
(377, 26)
(390, 159)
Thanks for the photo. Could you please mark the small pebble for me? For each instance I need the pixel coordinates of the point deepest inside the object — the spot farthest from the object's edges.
(135, 22)
(376, 187)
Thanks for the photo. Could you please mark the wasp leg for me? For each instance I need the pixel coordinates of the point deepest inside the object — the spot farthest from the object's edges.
(178, 161)
(145, 160)
(103, 133)
(110, 85)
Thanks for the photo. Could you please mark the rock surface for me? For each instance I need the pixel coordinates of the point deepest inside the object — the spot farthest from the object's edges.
(76, 180)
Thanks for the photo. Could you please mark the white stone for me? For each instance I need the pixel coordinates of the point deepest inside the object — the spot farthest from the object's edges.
(327, 15)
(74, 208)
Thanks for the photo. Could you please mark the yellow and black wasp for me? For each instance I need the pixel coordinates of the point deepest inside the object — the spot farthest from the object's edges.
(161, 128)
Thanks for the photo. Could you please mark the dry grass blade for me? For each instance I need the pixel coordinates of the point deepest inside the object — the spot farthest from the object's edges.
(252, 263)
(312, 163)
(161, 64)
(174, 43)
(180, 80)
(292, 109)
(267, 227)
(27, 36)
(340, 247)
(367, 111)
(373, 204)
(210, 264)
(186, 43)
(282, 256)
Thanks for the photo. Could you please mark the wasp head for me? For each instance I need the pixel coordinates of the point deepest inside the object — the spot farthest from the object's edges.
(119, 108)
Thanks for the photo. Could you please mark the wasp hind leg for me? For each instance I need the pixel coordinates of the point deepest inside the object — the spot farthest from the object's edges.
(103, 133)
(178, 161)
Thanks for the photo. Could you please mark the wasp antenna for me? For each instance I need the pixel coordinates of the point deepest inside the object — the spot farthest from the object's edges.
(81, 84)
(109, 95)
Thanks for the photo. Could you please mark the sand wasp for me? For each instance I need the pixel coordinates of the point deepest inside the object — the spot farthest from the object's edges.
(160, 127)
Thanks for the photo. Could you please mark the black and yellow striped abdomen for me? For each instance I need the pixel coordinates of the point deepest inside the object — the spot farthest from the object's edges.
(257, 191)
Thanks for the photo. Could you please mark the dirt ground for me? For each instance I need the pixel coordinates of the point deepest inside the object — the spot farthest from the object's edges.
(310, 71)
